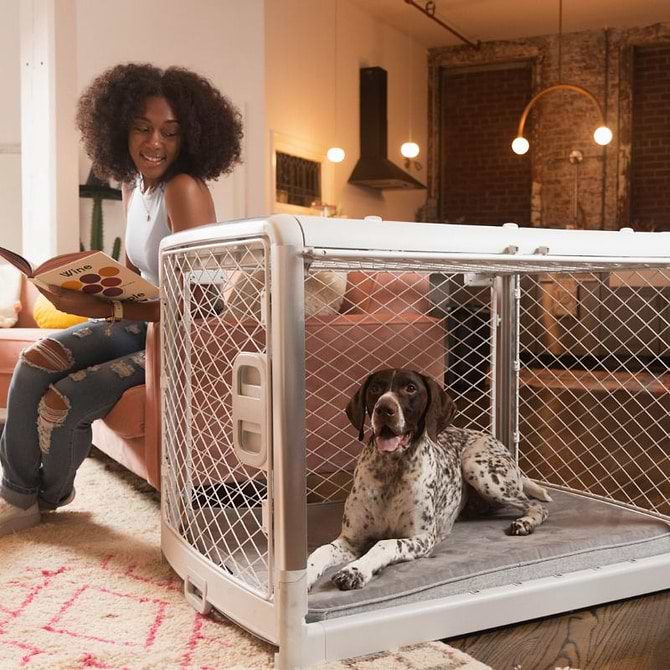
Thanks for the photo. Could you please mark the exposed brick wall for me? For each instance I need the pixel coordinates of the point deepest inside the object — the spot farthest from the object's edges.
(601, 61)
(484, 182)
(650, 173)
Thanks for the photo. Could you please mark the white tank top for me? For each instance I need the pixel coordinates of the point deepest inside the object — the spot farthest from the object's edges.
(147, 225)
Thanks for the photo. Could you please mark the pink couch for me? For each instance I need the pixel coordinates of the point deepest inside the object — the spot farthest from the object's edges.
(383, 322)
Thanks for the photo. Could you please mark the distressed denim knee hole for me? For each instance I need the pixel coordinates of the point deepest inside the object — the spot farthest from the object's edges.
(47, 355)
(52, 411)
(139, 359)
(122, 368)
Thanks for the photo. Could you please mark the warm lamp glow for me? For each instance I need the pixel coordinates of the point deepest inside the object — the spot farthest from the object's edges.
(520, 146)
(335, 154)
(410, 149)
(602, 136)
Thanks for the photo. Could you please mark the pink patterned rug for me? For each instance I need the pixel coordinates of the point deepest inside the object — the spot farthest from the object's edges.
(86, 590)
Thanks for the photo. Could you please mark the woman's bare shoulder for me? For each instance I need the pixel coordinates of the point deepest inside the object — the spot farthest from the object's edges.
(185, 185)
(189, 202)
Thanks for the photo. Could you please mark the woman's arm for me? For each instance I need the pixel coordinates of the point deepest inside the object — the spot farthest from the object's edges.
(82, 304)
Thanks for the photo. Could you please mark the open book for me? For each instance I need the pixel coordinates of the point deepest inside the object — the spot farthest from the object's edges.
(92, 272)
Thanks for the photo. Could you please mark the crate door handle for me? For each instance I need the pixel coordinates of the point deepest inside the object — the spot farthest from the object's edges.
(195, 593)
(250, 409)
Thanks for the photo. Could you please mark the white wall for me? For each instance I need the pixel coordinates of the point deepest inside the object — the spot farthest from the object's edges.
(300, 91)
(10, 126)
(222, 40)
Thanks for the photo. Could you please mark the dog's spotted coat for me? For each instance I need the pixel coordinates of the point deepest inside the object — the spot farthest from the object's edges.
(414, 477)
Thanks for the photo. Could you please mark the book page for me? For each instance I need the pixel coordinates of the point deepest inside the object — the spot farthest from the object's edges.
(62, 260)
(18, 261)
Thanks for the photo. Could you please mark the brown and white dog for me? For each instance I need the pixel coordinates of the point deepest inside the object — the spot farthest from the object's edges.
(414, 477)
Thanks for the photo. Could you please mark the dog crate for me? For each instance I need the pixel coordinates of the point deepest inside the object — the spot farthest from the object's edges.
(557, 342)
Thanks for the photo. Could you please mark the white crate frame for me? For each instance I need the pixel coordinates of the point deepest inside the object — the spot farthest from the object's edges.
(504, 251)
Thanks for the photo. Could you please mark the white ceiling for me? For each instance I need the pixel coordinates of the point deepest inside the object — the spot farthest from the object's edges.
(487, 20)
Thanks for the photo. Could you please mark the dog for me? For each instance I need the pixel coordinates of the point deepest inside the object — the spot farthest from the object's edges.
(414, 477)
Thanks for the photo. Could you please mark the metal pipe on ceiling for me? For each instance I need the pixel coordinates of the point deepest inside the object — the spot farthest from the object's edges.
(429, 10)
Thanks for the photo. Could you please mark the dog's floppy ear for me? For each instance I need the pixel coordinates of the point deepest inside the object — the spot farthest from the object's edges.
(439, 410)
(356, 409)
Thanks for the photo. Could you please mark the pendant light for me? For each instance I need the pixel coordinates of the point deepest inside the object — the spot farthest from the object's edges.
(410, 149)
(335, 154)
(602, 134)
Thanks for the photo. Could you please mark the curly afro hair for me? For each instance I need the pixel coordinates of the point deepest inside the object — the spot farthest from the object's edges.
(210, 124)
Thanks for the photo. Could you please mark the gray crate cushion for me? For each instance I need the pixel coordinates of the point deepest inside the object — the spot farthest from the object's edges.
(580, 533)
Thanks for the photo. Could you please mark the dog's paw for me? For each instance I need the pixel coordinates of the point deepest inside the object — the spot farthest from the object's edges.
(349, 578)
(520, 527)
(312, 576)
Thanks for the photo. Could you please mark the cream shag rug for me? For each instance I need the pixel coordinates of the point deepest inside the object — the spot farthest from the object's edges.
(86, 590)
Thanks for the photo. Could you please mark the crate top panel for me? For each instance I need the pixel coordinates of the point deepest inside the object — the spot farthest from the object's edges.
(320, 237)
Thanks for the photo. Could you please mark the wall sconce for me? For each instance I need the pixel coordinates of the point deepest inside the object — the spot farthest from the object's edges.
(602, 135)
(409, 149)
(335, 154)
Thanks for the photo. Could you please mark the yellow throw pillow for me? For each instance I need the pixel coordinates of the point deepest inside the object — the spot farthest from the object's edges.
(47, 316)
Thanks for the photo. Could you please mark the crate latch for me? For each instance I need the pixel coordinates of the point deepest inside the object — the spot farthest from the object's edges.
(250, 409)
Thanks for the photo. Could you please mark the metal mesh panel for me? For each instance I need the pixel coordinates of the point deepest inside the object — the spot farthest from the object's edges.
(215, 306)
(430, 322)
(593, 363)
(595, 384)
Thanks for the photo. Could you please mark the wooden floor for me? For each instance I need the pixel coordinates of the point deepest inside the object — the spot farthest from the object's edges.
(627, 635)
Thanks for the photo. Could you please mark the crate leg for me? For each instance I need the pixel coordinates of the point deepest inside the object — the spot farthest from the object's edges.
(291, 610)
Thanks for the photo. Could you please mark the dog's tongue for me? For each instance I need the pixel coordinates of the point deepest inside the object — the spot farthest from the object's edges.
(385, 444)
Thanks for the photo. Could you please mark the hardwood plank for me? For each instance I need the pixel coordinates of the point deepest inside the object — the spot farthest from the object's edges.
(630, 634)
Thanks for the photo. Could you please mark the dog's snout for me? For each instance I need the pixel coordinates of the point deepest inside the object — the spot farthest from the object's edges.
(385, 409)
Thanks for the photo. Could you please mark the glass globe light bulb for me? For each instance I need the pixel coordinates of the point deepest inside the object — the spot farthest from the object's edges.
(335, 154)
(410, 149)
(602, 136)
(520, 145)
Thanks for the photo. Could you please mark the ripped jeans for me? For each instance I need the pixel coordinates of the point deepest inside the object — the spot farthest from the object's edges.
(60, 386)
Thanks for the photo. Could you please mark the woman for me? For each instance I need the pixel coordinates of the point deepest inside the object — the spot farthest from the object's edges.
(161, 133)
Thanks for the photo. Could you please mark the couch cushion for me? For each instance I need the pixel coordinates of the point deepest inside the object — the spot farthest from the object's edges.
(126, 418)
(47, 316)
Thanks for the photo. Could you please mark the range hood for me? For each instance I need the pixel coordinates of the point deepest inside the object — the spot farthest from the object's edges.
(374, 169)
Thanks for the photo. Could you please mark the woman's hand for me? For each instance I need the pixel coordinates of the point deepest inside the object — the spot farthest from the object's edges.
(75, 302)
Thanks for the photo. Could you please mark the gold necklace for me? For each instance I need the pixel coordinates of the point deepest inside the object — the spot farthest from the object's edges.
(144, 204)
